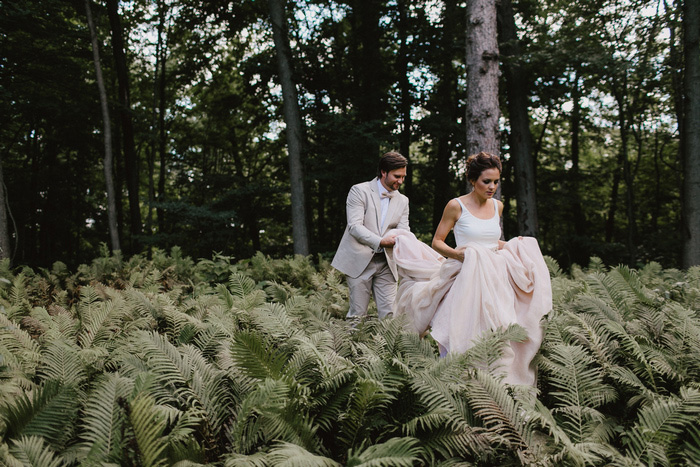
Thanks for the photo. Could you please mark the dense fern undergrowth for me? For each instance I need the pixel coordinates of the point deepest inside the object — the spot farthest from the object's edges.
(168, 361)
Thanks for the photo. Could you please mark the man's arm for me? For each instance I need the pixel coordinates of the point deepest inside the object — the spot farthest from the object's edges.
(355, 210)
(403, 223)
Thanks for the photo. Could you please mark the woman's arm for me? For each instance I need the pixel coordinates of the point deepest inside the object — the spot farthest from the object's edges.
(449, 217)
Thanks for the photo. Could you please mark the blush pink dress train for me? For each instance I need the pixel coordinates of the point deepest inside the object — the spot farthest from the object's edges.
(455, 302)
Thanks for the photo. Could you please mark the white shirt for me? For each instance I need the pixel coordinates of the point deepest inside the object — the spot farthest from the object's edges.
(384, 202)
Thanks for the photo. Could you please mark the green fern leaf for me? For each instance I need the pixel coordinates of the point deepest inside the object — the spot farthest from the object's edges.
(49, 413)
(102, 426)
(33, 451)
(148, 429)
(292, 455)
(395, 452)
(661, 423)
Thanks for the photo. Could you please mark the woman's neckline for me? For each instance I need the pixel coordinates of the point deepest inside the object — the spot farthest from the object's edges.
(464, 205)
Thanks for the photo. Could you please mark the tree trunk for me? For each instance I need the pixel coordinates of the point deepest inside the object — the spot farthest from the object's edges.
(691, 135)
(619, 91)
(447, 110)
(160, 213)
(517, 83)
(405, 87)
(5, 247)
(130, 156)
(482, 78)
(108, 161)
(292, 119)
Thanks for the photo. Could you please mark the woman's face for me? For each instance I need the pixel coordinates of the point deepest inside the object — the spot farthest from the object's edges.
(485, 186)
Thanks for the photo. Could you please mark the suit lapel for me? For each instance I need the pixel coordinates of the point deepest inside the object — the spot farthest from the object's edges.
(393, 203)
(377, 204)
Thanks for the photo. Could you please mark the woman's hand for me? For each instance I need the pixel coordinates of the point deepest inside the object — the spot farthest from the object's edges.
(459, 253)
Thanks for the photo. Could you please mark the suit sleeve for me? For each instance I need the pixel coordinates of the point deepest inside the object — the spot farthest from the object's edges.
(403, 223)
(355, 208)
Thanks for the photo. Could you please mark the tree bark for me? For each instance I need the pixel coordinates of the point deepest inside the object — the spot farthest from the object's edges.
(517, 82)
(5, 246)
(130, 156)
(447, 110)
(405, 87)
(292, 119)
(108, 160)
(691, 135)
(482, 78)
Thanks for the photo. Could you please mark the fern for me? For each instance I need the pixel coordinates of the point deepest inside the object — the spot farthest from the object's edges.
(61, 362)
(148, 429)
(395, 452)
(33, 450)
(661, 424)
(49, 412)
(103, 419)
(578, 389)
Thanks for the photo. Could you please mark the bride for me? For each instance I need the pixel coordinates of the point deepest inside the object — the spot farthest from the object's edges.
(483, 283)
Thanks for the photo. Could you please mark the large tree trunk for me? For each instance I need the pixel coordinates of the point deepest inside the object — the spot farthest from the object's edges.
(130, 157)
(691, 135)
(517, 83)
(292, 119)
(5, 247)
(108, 161)
(482, 78)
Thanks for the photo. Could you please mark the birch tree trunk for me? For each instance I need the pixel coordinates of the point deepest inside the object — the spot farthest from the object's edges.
(482, 77)
(108, 161)
(292, 119)
(691, 134)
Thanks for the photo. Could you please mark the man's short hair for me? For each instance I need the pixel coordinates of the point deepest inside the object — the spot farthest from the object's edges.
(391, 160)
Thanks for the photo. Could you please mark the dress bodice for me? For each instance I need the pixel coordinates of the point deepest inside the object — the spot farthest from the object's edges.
(469, 228)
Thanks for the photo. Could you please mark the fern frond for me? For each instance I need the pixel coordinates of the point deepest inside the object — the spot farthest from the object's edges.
(153, 352)
(49, 411)
(635, 352)
(148, 429)
(498, 410)
(61, 362)
(255, 357)
(245, 292)
(395, 452)
(18, 350)
(33, 451)
(273, 320)
(292, 455)
(661, 423)
(102, 425)
(248, 429)
(578, 389)
(257, 459)
(213, 391)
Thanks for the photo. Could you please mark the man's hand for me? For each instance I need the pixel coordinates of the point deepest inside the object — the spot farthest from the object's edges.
(388, 241)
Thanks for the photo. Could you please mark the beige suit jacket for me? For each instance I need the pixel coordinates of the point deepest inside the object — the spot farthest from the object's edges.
(363, 233)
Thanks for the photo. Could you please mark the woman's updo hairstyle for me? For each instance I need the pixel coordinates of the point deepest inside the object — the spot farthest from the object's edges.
(477, 163)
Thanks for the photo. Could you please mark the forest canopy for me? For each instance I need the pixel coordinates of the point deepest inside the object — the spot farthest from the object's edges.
(201, 149)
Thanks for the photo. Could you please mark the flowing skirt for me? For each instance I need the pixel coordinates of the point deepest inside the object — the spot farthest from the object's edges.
(455, 302)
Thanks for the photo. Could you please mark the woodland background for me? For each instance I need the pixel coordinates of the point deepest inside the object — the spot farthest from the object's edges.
(199, 156)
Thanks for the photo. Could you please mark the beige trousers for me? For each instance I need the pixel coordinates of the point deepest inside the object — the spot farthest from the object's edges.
(376, 279)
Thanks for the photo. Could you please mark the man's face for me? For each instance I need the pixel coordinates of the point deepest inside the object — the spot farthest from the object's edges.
(393, 179)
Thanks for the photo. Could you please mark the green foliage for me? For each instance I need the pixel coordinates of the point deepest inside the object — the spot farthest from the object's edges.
(169, 361)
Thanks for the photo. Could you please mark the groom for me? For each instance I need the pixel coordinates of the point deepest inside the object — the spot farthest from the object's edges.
(373, 208)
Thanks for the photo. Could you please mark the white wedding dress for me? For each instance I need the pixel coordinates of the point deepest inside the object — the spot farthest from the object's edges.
(456, 301)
